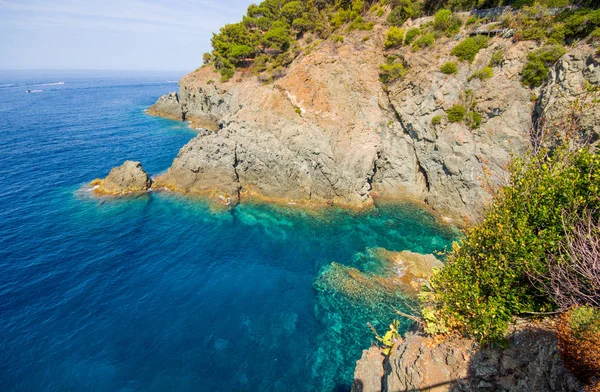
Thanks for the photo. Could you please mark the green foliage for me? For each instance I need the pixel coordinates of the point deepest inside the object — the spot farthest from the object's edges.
(436, 120)
(404, 10)
(469, 47)
(394, 37)
(585, 320)
(338, 39)
(226, 74)
(449, 68)
(390, 337)
(482, 74)
(411, 34)
(423, 41)
(446, 22)
(485, 281)
(497, 59)
(535, 72)
(473, 119)
(456, 113)
(391, 71)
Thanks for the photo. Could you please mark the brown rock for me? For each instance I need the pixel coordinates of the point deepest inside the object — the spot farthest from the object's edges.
(127, 179)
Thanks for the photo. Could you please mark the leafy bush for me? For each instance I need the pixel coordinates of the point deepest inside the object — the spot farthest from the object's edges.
(226, 74)
(449, 68)
(394, 37)
(446, 22)
(497, 59)
(578, 333)
(436, 120)
(423, 41)
(486, 279)
(535, 72)
(411, 34)
(473, 119)
(469, 47)
(391, 72)
(404, 10)
(338, 39)
(456, 113)
(482, 74)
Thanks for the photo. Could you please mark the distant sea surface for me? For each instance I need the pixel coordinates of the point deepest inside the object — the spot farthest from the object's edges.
(164, 293)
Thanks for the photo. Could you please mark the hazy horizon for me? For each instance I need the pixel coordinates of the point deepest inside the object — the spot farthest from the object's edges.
(111, 35)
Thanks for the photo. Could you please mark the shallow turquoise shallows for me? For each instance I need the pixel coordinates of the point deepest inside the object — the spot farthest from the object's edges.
(162, 293)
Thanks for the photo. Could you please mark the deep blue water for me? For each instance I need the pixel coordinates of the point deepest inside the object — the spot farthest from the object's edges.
(163, 293)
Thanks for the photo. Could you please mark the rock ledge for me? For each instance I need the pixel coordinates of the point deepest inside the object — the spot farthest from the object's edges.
(127, 179)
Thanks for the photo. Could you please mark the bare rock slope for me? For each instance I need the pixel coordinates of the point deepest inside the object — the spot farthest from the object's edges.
(330, 132)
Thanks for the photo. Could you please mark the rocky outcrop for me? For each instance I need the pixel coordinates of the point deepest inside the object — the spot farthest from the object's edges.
(168, 106)
(330, 132)
(127, 179)
(530, 362)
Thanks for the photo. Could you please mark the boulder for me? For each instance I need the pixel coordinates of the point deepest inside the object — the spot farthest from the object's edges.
(127, 179)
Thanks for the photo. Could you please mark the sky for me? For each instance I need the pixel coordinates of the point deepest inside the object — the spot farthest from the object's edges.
(111, 34)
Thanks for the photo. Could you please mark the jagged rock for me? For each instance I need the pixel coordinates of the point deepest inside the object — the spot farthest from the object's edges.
(129, 178)
(529, 363)
(329, 132)
(365, 378)
(167, 106)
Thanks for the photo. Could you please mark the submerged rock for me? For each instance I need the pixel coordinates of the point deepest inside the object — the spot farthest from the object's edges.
(127, 179)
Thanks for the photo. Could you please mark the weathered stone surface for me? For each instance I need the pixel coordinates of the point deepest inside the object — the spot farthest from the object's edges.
(529, 363)
(167, 106)
(329, 132)
(369, 371)
(129, 178)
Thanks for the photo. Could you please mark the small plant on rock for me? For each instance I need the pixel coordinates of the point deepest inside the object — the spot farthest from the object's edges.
(456, 113)
(449, 68)
(469, 47)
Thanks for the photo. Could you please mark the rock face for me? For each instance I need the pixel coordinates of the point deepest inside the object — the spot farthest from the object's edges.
(529, 363)
(330, 132)
(127, 179)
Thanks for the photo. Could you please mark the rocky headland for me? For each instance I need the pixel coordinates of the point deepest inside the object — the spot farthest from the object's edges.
(329, 132)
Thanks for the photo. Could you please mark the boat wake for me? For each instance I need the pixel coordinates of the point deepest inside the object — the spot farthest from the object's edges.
(53, 84)
(34, 91)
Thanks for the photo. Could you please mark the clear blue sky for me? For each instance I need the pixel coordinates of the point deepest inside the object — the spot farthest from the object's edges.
(111, 34)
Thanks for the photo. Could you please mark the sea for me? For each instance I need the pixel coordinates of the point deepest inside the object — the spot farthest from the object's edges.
(164, 292)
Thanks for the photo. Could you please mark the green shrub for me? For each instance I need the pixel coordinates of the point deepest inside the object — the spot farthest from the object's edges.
(469, 47)
(338, 38)
(497, 59)
(472, 20)
(449, 68)
(473, 120)
(486, 279)
(391, 72)
(423, 41)
(411, 34)
(456, 113)
(535, 72)
(436, 120)
(404, 10)
(482, 74)
(394, 37)
(226, 74)
(447, 23)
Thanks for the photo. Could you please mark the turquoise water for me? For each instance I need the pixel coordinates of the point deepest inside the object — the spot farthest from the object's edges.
(161, 292)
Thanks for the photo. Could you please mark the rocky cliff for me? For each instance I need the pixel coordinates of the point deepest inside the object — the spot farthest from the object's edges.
(330, 132)
(530, 362)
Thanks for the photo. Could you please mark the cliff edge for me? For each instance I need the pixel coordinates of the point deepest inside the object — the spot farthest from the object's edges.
(329, 132)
